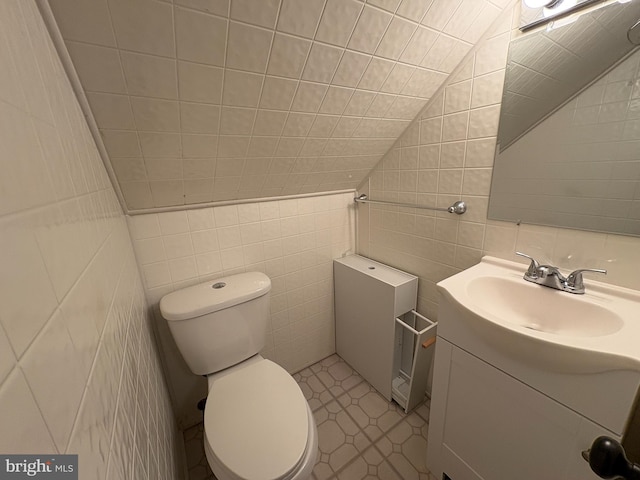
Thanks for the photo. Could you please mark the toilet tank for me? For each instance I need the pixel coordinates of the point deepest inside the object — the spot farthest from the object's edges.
(219, 323)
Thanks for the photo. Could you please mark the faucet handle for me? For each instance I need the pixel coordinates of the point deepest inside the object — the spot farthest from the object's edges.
(575, 281)
(532, 271)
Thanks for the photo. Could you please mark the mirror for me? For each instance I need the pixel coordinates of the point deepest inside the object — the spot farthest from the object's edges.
(568, 150)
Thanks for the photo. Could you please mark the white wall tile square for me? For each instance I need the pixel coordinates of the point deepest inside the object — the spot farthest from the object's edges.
(150, 250)
(396, 38)
(24, 273)
(99, 68)
(338, 20)
(375, 74)
(217, 7)
(144, 26)
(309, 97)
(263, 14)
(178, 245)
(241, 89)
(200, 38)
(269, 122)
(369, 30)
(182, 269)
(199, 118)
(454, 126)
(458, 97)
(483, 122)
(278, 93)
(321, 63)
(112, 111)
(300, 17)
(397, 79)
(53, 371)
(121, 143)
(486, 89)
(149, 76)
(236, 120)
(232, 147)
(200, 219)
(288, 55)
(248, 47)
(199, 146)
(31, 436)
(199, 83)
(155, 144)
(208, 263)
(163, 168)
(85, 22)
(156, 115)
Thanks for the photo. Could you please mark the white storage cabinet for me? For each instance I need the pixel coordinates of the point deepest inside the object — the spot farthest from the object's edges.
(378, 331)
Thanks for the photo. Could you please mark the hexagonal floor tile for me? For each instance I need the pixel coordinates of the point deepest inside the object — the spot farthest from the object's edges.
(340, 440)
(405, 448)
(337, 376)
(371, 411)
(313, 389)
(370, 465)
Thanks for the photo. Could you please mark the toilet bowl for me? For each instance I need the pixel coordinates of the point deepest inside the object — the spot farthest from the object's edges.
(257, 423)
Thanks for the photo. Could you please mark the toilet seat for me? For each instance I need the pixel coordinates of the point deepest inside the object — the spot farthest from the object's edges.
(257, 422)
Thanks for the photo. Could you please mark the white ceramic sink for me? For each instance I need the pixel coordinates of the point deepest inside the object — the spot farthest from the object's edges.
(597, 331)
(542, 309)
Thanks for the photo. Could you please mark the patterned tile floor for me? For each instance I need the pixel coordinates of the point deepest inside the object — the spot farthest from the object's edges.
(360, 434)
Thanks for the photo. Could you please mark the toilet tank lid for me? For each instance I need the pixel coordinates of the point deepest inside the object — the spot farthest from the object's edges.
(214, 295)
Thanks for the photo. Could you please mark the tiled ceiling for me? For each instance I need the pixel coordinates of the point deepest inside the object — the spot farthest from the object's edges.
(215, 100)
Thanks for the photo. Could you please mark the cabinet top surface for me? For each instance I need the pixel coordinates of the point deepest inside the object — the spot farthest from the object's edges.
(379, 271)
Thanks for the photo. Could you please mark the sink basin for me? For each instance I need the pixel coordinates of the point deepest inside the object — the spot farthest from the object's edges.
(542, 309)
(589, 333)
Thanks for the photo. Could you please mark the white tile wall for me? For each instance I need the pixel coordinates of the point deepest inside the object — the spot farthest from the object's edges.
(79, 370)
(293, 241)
(455, 136)
(236, 75)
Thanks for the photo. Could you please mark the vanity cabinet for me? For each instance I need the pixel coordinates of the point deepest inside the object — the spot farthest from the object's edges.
(495, 416)
(487, 425)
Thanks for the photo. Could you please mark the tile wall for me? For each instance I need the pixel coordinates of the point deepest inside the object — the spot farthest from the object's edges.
(201, 101)
(447, 154)
(79, 369)
(293, 241)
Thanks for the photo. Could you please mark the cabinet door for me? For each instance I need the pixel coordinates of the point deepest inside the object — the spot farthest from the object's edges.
(488, 425)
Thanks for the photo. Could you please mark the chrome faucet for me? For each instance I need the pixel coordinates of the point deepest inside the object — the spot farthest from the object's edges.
(550, 276)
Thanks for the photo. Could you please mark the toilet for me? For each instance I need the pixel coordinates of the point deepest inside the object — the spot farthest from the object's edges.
(257, 423)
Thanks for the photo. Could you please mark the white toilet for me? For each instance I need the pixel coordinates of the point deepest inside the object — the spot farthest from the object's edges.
(257, 423)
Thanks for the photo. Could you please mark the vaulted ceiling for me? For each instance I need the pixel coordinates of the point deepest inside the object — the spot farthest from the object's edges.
(215, 100)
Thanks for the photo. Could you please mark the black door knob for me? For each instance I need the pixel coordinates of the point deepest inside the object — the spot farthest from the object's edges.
(608, 460)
